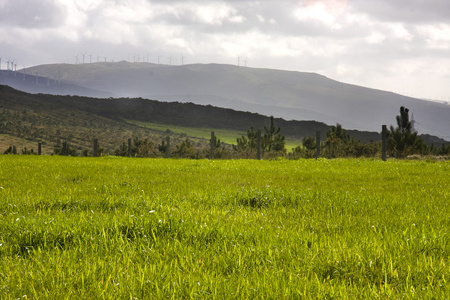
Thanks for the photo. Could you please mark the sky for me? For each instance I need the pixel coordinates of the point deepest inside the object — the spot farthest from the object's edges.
(401, 46)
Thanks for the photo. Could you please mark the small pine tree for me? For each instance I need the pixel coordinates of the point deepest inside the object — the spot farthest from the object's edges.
(403, 141)
(122, 151)
(249, 142)
(273, 140)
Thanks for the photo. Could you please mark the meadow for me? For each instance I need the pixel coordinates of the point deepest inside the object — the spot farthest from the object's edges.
(128, 228)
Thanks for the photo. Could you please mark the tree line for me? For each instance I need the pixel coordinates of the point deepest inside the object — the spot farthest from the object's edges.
(402, 141)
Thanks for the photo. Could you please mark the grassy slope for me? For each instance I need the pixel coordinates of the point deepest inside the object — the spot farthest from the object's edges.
(226, 136)
(28, 119)
(144, 228)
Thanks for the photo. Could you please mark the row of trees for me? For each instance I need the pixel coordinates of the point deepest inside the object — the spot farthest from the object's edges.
(271, 141)
(337, 143)
(401, 142)
(146, 148)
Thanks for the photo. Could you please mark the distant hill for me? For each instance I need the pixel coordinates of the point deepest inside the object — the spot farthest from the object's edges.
(50, 118)
(26, 119)
(284, 94)
(45, 85)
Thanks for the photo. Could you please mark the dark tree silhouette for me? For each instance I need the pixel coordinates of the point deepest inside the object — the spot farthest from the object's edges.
(248, 142)
(403, 141)
(273, 140)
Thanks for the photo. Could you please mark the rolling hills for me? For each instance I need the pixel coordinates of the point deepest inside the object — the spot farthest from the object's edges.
(284, 94)
(26, 119)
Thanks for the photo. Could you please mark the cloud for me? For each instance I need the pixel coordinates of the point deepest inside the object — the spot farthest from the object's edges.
(407, 11)
(355, 41)
(31, 13)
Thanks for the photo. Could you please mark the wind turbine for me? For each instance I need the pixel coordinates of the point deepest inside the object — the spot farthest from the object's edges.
(182, 60)
(76, 59)
(90, 58)
(0, 63)
(83, 54)
(239, 61)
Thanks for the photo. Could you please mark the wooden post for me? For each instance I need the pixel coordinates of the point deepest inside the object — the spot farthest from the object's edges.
(39, 148)
(168, 147)
(383, 142)
(317, 144)
(213, 142)
(14, 150)
(129, 147)
(63, 149)
(95, 152)
(258, 153)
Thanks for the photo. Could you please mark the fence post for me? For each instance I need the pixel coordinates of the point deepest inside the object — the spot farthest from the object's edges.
(317, 144)
(64, 149)
(39, 148)
(258, 153)
(213, 143)
(129, 147)
(168, 147)
(14, 150)
(95, 152)
(383, 142)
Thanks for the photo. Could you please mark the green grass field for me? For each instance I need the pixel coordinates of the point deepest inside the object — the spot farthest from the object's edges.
(124, 228)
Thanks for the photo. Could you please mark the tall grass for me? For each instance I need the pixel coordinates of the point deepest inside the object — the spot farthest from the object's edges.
(119, 228)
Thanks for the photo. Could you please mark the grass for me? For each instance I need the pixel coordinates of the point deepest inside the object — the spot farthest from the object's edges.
(225, 135)
(114, 228)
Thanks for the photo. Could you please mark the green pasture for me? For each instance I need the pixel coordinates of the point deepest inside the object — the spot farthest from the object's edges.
(127, 228)
(225, 135)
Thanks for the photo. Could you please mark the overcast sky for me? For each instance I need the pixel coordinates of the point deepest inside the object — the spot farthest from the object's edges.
(396, 45)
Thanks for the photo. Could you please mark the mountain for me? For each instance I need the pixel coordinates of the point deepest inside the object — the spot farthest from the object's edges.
(284, 94)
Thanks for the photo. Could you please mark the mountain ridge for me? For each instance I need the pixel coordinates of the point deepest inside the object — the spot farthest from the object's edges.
(290, 95)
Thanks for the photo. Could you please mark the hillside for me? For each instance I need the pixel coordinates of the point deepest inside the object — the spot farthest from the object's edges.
(26, 119)
(30, 118)
(284, 94)
(35, 83)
